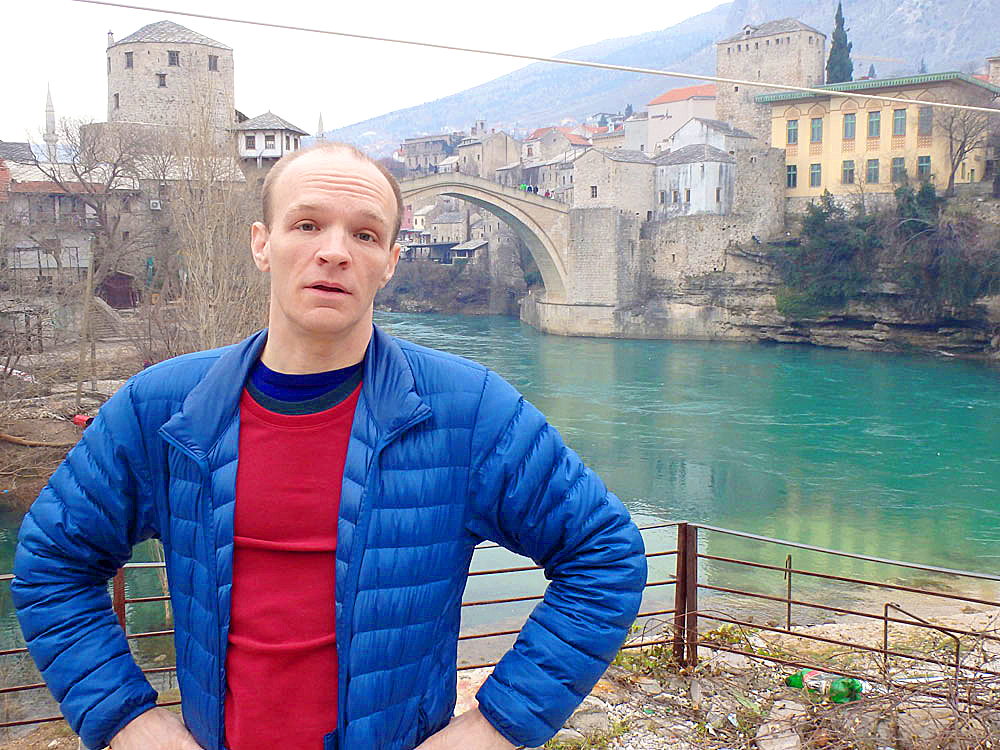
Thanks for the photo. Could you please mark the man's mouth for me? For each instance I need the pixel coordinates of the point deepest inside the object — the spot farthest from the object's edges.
(328, 288)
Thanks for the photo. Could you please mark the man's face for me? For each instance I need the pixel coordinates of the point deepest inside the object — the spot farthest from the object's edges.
(328, 249)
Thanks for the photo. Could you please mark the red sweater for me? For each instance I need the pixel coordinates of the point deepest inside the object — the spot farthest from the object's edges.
(281, 662)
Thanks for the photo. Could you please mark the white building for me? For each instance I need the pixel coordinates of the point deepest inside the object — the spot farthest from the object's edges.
(266, 138)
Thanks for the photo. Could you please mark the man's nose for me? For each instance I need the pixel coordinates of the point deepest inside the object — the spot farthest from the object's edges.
(333, 247)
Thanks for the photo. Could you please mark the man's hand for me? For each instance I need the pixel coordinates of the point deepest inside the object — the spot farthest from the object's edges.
(157, 729)
(469, 731)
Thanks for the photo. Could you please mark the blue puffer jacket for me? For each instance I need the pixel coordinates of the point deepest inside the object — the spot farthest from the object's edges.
(443, 454)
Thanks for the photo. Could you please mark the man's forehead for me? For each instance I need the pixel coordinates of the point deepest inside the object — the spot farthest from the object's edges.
(331, 169)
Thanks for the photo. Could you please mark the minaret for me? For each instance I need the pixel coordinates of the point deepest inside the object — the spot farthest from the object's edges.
(320, 134)
(50, 127)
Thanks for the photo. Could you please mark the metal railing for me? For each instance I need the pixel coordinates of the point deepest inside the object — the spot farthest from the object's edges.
(682, 625)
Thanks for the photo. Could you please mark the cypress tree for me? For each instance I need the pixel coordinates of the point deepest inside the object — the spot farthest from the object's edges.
(839, 67)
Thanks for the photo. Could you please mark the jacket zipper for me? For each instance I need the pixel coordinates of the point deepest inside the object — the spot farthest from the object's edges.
(206, 486)
(354, 573)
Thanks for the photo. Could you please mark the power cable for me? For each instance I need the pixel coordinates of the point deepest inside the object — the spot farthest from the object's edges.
(540, 58)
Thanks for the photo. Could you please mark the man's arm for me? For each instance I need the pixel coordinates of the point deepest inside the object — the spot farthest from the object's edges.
(78, 532)
(532, 494)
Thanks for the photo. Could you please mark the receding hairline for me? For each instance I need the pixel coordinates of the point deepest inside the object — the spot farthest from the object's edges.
(330, 147)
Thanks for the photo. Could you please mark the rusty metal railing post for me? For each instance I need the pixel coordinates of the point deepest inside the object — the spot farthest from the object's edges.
(118, 596)
(691, 587)
(680, 593)
(788, 592)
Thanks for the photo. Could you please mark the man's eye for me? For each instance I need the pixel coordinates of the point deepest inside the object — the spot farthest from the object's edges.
(307, 226)
(366, 236)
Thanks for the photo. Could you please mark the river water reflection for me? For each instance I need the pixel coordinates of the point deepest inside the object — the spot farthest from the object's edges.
(884, 455)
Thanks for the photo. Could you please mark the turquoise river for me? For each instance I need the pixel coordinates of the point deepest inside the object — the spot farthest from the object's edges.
(884, 455)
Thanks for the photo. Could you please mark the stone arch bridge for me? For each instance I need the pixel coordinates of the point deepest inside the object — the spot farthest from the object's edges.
(542, 223)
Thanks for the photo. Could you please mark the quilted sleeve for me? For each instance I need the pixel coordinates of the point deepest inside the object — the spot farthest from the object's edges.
(77, 533)
(532, 494)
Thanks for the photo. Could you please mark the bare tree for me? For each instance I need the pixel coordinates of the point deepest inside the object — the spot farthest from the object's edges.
(99, 167)
(965, 132)
(222, 295)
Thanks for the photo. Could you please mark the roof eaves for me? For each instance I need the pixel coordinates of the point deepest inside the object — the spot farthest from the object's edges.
(876, 83)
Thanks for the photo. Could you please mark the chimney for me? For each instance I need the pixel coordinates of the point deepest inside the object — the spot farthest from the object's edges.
(111, 38)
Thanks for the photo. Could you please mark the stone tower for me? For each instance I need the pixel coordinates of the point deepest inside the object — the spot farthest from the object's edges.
(994, 69)
(785, 51)
(165, 74)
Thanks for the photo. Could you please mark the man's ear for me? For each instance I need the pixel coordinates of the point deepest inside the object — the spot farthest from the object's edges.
(259, 247)
(390, 267)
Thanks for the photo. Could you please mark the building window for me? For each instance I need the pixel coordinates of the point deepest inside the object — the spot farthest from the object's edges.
(898, 169)
(161, 80)
(213, 62)
(874, 124)
(269, 141)
(924, 166)
(288, 144)
(128, 59)
(793, 132)
(296, 141)
(116, 101)
(529, 151)
(872, 177)
(925, 121)
(677, 196)
(850, 124)
(663, 196)
(847, 175)
(173, 58)
(251, 142)
(109, 64)
(593, 191)
(687, 195)
(791, 176)
(815, 175)
(718, 195)
(816, 130)
(899, 122)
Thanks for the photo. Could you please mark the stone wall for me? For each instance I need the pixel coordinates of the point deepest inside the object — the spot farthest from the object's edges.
(622, 185)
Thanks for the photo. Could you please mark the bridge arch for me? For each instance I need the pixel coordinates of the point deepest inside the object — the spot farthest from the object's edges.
(540, 222)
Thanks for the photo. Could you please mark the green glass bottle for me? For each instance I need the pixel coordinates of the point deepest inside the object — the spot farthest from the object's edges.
(838, 689)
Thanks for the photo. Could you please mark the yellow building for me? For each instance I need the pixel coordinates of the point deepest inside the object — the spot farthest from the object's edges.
(852, 145)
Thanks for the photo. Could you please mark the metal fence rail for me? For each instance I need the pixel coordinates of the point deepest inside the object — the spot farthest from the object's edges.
(678, 626)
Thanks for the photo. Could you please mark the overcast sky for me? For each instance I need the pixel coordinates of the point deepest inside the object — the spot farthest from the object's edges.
(297, 75)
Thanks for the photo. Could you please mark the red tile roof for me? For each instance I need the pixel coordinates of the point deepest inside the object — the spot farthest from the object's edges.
(981, 77)
(577, 140)
(686, 92)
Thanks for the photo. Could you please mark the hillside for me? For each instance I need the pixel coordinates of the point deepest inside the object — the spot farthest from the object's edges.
(946, 34)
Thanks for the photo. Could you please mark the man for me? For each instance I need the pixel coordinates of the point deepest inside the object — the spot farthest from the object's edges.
(319, 489)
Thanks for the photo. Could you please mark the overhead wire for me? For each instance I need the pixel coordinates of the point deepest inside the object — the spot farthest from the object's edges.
(542, 58)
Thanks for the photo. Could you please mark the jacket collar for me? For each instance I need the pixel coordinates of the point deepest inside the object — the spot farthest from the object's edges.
(388, 389)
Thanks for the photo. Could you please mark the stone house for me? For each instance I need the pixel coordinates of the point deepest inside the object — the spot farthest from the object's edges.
(483, 154)
(420, 218)
(545, 143)
(448, 164)
(620, 179)
(850, 144)
(451, 226)
(262, 140)
(423, 154)
(613, 137)
(694, 179)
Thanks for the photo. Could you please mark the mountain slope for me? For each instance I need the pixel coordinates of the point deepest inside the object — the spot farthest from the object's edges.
(947, 34)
